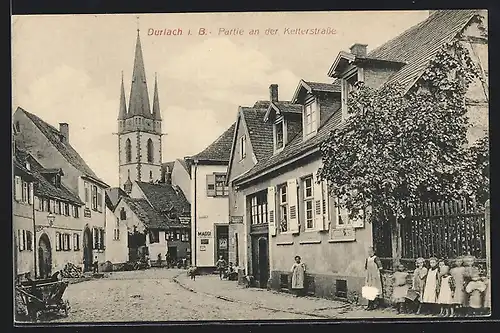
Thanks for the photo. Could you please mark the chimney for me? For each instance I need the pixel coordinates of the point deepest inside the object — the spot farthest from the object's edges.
(64, 129)
(358, 49)
(273, 92)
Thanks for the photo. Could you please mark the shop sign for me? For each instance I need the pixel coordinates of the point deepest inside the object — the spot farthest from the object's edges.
(87, 213)
(204, 241)
(236, 219)
(343, 235)
(203, 248)
(205, 233)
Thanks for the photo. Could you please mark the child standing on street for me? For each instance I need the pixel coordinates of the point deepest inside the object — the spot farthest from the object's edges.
(400, 288)
(446, 291)
(192, 272)
(475, 288)
(418, 282)
(373, 281)
(458, 272)
(221, 266)
(429, 297)
(298, 275)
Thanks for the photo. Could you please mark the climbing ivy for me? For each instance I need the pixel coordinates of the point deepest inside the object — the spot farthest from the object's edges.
(399, 147)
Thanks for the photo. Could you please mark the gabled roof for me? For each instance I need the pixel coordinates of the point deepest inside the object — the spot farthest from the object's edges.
(312, 87)
(43, 187)
(261, 104)
(281, 108)
(184, 165)
(414, 48)
(149, 216)
(417, 45)
(69, 153)
(113, 194)
(164, 197)
(20, 169)
(295, 148)
(219, 150)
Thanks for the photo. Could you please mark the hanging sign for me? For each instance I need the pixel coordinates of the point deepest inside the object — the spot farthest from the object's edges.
(236, 219)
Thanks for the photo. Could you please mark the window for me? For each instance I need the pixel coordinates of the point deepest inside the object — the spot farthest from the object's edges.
(128, 151)
(154, 236)
(18, 188)
(283, 203)
(310, 118)
(66, 209)
(57, 180)
(185, 236)
(307, 184)
(25, 192)
(348, 86)
(177, 235)
(94, 197)
(123, 214)
(150, 151)
(25, 239)
(59, 208)
(98, 235)
(99, 200)
(116, 231)
(243, 144)
(40, 204)
(45, 205)
(52, 206)
(279, 134)
(65, 242)
(76, 242)
(18, 126)
(258, 203)
(87, 196)
(216, 185)
(58, 241)
(75, 211)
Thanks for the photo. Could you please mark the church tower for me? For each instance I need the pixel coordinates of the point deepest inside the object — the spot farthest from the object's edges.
(139, 129)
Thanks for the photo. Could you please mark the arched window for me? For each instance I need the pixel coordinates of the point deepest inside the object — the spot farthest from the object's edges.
(128, 151)
(150, 150)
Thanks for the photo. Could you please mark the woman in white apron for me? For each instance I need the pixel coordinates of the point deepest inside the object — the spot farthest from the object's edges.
(429, 298)
(372, 290)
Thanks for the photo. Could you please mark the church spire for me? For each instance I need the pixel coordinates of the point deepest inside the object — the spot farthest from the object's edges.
(123, 104)
(139, 100)
(156, 102)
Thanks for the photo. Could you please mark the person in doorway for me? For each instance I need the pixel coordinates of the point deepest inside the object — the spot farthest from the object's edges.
(298, 276)
(96, 265)
(221, 266)
(373, 267)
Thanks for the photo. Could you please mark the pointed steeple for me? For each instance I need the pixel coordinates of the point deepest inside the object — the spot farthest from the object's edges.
(123, 104)
(156, 102)
(139, 100)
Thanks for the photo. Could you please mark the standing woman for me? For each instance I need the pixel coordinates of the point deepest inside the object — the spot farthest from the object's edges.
(298, 274)
(373, 266)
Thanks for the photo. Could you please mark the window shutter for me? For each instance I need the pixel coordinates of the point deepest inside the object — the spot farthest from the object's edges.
(211, 185)
(20, 239)
(318, 204)
(292, 199)
(30, 193)
(99, 201)
(326, 206)
(271, 209)
(58, 241)
(18, 188)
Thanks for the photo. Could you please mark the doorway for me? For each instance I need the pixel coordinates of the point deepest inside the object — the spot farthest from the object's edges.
(222, 236)
(87, 250)
(260, 260)
(44, 257)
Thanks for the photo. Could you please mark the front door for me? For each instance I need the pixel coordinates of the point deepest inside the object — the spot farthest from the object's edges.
(172, 253)
(222, 233)
(260, 260)
(87, 250)
(44, 257)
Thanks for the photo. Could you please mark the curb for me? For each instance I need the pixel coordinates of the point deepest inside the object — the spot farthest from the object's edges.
(228, 299)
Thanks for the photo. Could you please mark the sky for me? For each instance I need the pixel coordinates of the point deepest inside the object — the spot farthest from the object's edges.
(68, 69)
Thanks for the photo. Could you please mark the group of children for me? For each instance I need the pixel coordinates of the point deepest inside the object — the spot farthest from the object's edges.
(456, 291)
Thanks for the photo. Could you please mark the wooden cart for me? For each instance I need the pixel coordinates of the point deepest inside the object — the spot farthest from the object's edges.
(42, 297)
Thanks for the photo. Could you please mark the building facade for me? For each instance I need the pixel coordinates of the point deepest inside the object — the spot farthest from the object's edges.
(116, 232)
(52, 150)
(139, 129)
(23, 223)
(285, 209)
(209, 202)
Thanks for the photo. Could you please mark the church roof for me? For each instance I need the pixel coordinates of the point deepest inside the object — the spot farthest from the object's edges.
(139, 98)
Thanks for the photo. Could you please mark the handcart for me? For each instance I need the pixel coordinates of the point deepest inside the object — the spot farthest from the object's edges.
(38, 298)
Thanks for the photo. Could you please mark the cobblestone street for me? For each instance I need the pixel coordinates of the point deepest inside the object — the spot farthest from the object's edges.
(169, 295)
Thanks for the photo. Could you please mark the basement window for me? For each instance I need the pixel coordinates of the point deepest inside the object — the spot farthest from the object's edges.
(341, 288)
(284, 281)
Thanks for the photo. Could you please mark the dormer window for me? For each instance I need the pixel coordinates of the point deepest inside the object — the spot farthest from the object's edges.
(57, 180)
(243, 144)
(279, 134)
(311, 115)
(28, 166)
(348, 86)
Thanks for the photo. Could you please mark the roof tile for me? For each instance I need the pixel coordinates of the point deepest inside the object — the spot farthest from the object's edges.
(220, 149)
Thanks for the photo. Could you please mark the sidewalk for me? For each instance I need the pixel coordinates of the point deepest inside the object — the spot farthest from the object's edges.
(276, 301)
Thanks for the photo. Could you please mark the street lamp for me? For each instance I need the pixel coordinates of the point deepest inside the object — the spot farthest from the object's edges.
(51, 219)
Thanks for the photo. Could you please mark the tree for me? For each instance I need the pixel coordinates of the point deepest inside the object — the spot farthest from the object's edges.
(400, 147)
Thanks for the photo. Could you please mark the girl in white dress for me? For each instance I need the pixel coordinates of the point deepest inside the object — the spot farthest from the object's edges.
(446, 291)
(429, 298)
